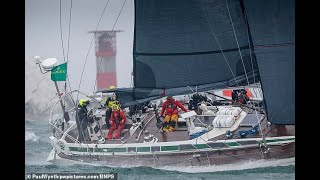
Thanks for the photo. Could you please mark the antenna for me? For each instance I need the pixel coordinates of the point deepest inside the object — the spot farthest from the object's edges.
(45, 65)
(37, 59)
(49, 63)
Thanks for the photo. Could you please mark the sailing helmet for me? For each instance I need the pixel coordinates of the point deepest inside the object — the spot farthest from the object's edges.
(112, 88)
(194, 95)
(115, 107)
(83, 102)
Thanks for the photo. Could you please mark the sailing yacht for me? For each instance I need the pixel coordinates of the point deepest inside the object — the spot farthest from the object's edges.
(185, 47)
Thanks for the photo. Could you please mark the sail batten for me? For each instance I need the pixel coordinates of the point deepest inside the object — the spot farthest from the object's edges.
(190, 53)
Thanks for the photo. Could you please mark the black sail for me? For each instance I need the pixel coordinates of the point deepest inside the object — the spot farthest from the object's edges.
(272, 27)
(184, 45)
(191, 43)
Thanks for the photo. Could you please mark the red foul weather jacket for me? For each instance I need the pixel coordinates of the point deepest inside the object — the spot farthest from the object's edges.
(171, 107)
(118, 118)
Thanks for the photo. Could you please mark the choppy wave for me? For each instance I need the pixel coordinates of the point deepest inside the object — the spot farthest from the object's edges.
(138, 173)
(246, 165)
(30, 136)
(236, 166)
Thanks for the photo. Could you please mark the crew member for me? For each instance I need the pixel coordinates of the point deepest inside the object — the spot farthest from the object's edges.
(110, 101)
(170, 108)
(117, 122)
(195, 100)
(82, 119)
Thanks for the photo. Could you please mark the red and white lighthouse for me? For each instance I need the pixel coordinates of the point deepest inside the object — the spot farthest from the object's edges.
(105, 51)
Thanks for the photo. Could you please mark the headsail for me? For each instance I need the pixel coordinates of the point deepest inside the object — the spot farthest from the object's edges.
(272, 27)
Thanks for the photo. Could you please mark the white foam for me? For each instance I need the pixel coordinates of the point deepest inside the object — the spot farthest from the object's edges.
(212, 168)
(30, 136)
(231, 167)
(39, 161)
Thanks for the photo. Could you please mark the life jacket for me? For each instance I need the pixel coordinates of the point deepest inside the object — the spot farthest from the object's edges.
(171, 108)
(171, 105)
(112, 103)
(117, 119)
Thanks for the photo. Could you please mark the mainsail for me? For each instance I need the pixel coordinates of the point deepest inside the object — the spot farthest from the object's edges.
(183, 45)
(189, 43)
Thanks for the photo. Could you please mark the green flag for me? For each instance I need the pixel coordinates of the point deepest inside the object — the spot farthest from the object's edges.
(59, 73)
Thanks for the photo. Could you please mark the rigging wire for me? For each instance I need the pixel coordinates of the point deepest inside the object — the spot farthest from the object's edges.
(111, 31)
(250, 47)
(236, 38)
(235, 35)
(119, 14)
(213, 33)
(61, 36)
(68, 53)
(68, 48)
(221, 48)
(92, 41)
(251, 52)
(263, 136)
(64, 59)
(84, 65)
(69, 29)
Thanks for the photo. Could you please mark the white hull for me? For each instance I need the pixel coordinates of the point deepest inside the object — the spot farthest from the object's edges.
(280, 148)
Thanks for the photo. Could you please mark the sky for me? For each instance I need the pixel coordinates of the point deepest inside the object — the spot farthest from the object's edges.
(43, 35)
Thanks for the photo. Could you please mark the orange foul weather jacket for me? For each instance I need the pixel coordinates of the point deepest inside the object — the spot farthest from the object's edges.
(171, 107)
